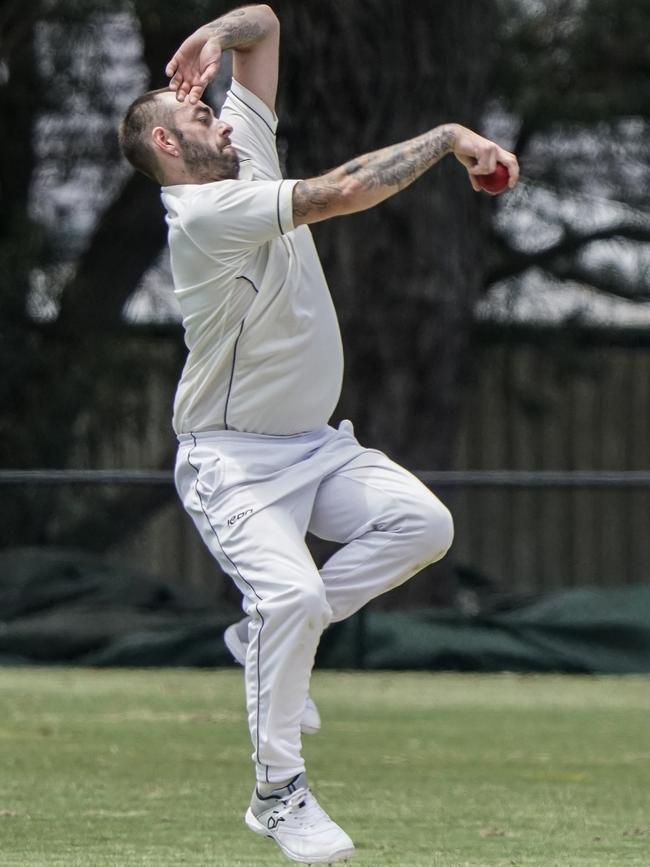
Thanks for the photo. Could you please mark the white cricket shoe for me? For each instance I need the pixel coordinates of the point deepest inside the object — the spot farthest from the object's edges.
(302, 829)
(235, 640)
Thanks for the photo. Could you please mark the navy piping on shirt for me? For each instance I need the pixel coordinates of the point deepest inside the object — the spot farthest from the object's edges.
(232, 375)
(250, 107)
(248, 280)
(278, 207)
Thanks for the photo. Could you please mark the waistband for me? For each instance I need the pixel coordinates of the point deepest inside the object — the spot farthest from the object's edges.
(245, 436)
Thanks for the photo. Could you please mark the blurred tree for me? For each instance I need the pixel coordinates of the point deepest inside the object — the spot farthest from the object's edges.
(319, 132)
(566, 81)
(73, 380)
(573, 78)
(405, 276)
(22, 239)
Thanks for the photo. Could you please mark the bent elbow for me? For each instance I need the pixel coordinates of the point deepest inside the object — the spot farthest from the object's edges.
(269, 15)
(321, 198)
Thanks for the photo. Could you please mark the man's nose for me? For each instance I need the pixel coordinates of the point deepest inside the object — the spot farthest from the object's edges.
(224, 128)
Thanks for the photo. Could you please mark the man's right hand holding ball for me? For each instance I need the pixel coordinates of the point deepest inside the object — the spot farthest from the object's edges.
(490, 167)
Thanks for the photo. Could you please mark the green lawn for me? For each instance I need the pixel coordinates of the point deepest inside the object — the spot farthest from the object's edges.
(151, 767)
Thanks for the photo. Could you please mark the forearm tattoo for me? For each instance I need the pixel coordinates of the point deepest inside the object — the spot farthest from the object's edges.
(238, 28)
(399, 165)
(388, 170)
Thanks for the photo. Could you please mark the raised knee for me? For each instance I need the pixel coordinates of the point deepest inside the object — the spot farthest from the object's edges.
(435, 531)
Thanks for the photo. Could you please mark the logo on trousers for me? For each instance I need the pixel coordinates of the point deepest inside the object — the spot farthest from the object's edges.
(239, 516)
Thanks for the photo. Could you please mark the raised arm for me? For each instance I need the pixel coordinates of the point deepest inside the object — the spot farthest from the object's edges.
(371, 178)
(253, 35)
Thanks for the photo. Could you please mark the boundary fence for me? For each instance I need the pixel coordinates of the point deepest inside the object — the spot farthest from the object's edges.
(443, 478)
(519, 531)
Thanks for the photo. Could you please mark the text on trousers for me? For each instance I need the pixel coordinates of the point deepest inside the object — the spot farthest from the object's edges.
(234, 518)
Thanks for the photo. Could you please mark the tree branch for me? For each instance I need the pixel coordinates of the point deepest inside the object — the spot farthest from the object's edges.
(514, 262)
(601, 280)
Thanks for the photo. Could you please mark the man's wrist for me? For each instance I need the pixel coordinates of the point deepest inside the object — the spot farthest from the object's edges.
(449, 134)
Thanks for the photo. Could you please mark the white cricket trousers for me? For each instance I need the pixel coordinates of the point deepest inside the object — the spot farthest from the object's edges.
(253, 498)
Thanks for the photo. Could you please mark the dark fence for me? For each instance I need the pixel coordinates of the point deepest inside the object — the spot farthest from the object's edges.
(549, 401)
(516, 531)
(551, 479)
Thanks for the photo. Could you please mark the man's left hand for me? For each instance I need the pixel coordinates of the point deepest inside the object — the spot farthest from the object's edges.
(194, 65)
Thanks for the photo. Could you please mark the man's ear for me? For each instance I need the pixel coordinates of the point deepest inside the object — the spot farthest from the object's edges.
(165, 141)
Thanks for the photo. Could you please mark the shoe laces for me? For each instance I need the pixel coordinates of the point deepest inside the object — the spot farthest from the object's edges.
(302, 810)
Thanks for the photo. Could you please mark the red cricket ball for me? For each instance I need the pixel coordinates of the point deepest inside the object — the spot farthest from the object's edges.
(497, 182)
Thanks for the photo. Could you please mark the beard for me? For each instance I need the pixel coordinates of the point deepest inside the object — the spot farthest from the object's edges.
(206, 163)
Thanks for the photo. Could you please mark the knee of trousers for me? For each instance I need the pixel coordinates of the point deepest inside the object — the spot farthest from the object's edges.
(300, 604)
(432, 531)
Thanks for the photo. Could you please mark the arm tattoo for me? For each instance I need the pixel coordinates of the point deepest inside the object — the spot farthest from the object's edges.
(235, 34)
(308, 198)
(399, 165)
(370, 178)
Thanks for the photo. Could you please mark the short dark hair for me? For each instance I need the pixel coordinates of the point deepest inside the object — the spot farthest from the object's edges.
(141, 117)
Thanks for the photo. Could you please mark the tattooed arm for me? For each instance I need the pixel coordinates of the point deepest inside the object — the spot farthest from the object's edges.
(253, 35)
(369, 179)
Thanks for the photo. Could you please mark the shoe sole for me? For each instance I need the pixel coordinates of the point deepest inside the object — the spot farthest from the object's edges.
(238, 653)
(333, 858)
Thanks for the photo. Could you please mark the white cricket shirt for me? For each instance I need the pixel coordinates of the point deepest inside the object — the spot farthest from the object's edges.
(265, 352)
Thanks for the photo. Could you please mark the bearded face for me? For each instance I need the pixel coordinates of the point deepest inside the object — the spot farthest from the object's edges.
(206, 162)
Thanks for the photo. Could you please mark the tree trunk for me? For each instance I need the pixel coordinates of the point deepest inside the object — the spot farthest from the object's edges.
(406, 275)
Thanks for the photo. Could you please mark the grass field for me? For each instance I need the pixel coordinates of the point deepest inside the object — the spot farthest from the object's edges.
(151, 767)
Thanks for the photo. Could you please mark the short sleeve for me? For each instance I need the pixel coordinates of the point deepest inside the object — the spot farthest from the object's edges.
(254, 126)
(229, 217)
